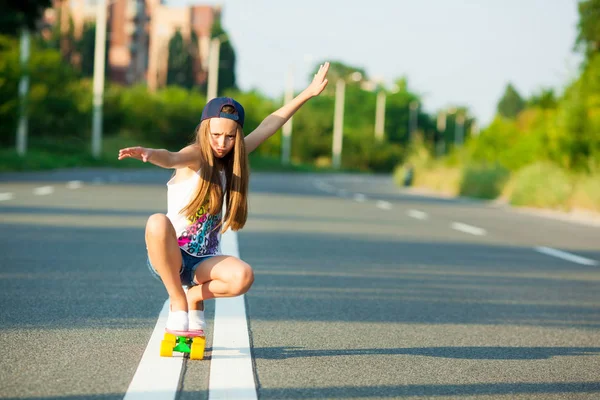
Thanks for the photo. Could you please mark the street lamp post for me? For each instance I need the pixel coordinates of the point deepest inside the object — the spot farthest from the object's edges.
(22, 126)
(98, 99)
(413, 119)
(286, 130)
(338, 123)
(380, 115)
(459, 135)
(338, 118)
(213, 68)
(441, 128)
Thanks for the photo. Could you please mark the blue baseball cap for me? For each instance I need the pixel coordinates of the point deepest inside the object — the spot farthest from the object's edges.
(213, 108)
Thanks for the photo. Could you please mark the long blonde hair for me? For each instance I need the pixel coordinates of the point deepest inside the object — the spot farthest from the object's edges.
(210, 190)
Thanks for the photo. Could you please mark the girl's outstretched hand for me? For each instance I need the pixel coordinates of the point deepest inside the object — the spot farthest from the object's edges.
(139, 153)
(319, 81)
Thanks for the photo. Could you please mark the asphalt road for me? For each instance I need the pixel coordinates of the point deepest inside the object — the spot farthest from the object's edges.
(361, 291)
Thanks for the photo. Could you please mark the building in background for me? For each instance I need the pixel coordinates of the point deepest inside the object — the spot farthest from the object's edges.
(165, 21)
(138, 35)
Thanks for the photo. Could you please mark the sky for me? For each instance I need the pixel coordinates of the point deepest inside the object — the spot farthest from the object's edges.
(452, 52)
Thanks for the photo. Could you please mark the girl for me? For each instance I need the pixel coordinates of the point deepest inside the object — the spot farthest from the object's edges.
(183, 245)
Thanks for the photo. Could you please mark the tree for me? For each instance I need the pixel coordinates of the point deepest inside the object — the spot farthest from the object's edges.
(588, 37)
(17, 14)
(86, 49)
(180, 70)
(227, 78)
(511, 103)
(545, 99)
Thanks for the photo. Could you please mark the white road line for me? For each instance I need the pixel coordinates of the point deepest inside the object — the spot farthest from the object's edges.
(361, 198)
(473, 230)
(231, 373)
(417, 214)
(384, 205)
(74, 184)
(156, 377)
(565, 256)
(43, 190)
(6, 196)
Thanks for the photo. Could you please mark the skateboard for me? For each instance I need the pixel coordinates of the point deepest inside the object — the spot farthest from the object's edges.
(191, 343)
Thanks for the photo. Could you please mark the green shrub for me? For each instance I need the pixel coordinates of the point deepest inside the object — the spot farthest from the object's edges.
(586, 193)
(483, 180)
(541, 185)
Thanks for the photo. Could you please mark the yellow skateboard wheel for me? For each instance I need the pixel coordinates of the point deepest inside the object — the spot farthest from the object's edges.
(197, 348)
(170, 337)
(166, 348)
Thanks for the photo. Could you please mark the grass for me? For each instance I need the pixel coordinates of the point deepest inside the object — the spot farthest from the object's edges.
(540, 185)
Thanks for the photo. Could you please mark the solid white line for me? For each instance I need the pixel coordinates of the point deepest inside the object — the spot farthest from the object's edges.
(361, 198)
(231, 372)
(6, 196)
(473, 230)
(156, 377)
(74, 184)
(43, 190)
(417, 214)
(384, 205)
(566, 256)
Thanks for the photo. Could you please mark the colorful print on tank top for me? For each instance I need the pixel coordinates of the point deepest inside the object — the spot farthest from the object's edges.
(200, 237)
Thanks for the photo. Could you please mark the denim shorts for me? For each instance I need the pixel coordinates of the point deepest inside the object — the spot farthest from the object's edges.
(189, 264)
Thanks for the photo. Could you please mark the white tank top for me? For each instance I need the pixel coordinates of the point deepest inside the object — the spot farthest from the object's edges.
(197, 235)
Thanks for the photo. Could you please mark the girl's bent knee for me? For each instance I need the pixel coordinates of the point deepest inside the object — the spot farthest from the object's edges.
(244, 278)
(158, 225)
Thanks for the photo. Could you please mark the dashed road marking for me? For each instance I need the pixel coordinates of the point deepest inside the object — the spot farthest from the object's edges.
(43, 190)
(566, 256)
(384, 205)
(74, 184)
(361, 198)
(324, 187)
(417, 214)
(473, 230)
(6, 196)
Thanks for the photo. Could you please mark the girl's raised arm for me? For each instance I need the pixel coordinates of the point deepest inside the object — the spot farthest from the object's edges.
(275, 121)
(186, 157)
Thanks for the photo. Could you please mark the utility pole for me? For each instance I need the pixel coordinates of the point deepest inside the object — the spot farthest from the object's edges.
(380, 116)
(441, 128)
(213, 69)
(286, 139)
(98, 100)
(413, 120)
(22, 126)
(459, 137)
(338, 123)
